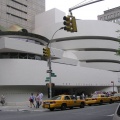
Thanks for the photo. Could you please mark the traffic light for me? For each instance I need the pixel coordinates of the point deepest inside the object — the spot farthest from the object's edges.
(67, 23)
(46, 52)
(74, 26)
(70, 23)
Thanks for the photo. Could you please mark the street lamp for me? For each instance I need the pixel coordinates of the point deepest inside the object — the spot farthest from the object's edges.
(113, 86)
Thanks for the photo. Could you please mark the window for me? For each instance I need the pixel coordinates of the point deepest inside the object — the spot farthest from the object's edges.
(56, 98)
(67, 98)
(23, 56)
(95, 96)
(118, 14)
(104, 17)
(37, 57)
(114, 14)
(31, 56)
(4, 55)
(111, 16)
(101, 18)
(14, 55)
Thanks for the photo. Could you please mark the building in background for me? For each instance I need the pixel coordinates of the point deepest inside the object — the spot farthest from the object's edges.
(84, 61)
(112, 15)
(20, 12)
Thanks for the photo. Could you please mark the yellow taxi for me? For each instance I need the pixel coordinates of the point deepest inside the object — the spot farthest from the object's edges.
(62, 102)
(116, 97)
(98, 99)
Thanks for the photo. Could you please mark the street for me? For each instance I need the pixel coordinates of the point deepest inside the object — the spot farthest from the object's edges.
(96, 112)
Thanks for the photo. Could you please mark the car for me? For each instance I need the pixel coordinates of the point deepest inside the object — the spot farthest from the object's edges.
(62, 102)
(117, 113)
(116, 97)
(98, 99)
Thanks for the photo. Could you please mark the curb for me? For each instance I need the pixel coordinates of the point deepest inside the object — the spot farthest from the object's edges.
(22, 110)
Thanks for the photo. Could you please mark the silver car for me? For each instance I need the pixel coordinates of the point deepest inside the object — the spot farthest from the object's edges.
(117, 113)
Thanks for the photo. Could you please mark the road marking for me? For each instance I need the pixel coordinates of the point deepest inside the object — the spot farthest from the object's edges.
(110, 115)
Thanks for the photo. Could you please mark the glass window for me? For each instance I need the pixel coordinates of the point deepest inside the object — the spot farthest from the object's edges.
(118, 14)
(14, 55)
(67, 98)
(114, 14)
(37, 57)
(104, 17)
(111, 16)
(5, 55)
(95, 96)
(23, 55)
(56, 98)
(31, 56)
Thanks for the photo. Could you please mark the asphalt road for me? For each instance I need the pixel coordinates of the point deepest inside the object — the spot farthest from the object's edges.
(103, 112)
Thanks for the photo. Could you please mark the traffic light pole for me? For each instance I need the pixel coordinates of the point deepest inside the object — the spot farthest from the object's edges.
(50, 86)
(49, 65)
(73, 8)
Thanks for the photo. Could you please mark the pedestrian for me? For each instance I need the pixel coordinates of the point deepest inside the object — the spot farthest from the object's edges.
(37, 99)
(40, 98)
(83, 96)
(31, 99)
(2, 99)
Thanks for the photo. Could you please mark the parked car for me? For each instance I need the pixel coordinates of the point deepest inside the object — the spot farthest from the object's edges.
(98, 99)
(117, 113)
(62, 102)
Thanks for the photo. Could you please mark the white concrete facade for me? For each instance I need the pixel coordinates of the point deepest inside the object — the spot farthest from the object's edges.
(94, 45)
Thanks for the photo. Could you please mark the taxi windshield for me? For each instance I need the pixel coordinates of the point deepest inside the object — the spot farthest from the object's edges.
(56, 98)
(95, 96)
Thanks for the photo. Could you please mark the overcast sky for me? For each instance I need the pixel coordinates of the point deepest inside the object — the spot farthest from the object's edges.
(89, 12)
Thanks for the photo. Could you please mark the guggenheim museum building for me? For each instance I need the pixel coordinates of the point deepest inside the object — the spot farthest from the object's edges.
(84, 61)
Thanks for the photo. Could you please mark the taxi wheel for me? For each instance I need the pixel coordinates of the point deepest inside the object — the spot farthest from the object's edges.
(101, 102)
(51, 109)
(111, 101)
(63, 107)
(71, 107)
(82, 105)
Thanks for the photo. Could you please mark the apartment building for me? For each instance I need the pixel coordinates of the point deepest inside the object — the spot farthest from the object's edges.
(112, 15)
(20, 12)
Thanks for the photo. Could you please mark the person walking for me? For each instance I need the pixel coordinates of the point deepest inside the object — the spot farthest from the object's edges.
(83, 96)
(40, 98)
(31, 99)
(2, 99)
(37, 99)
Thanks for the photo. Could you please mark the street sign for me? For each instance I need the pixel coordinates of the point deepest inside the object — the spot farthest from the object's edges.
(49, 71)
(47, 80)
(53, 75)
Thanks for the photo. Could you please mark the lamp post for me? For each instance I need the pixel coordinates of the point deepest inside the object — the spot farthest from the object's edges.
(113, 86)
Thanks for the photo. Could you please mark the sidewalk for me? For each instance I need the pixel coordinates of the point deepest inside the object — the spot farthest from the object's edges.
(21, 108)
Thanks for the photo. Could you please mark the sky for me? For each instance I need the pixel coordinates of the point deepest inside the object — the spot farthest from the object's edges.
(89, 12)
